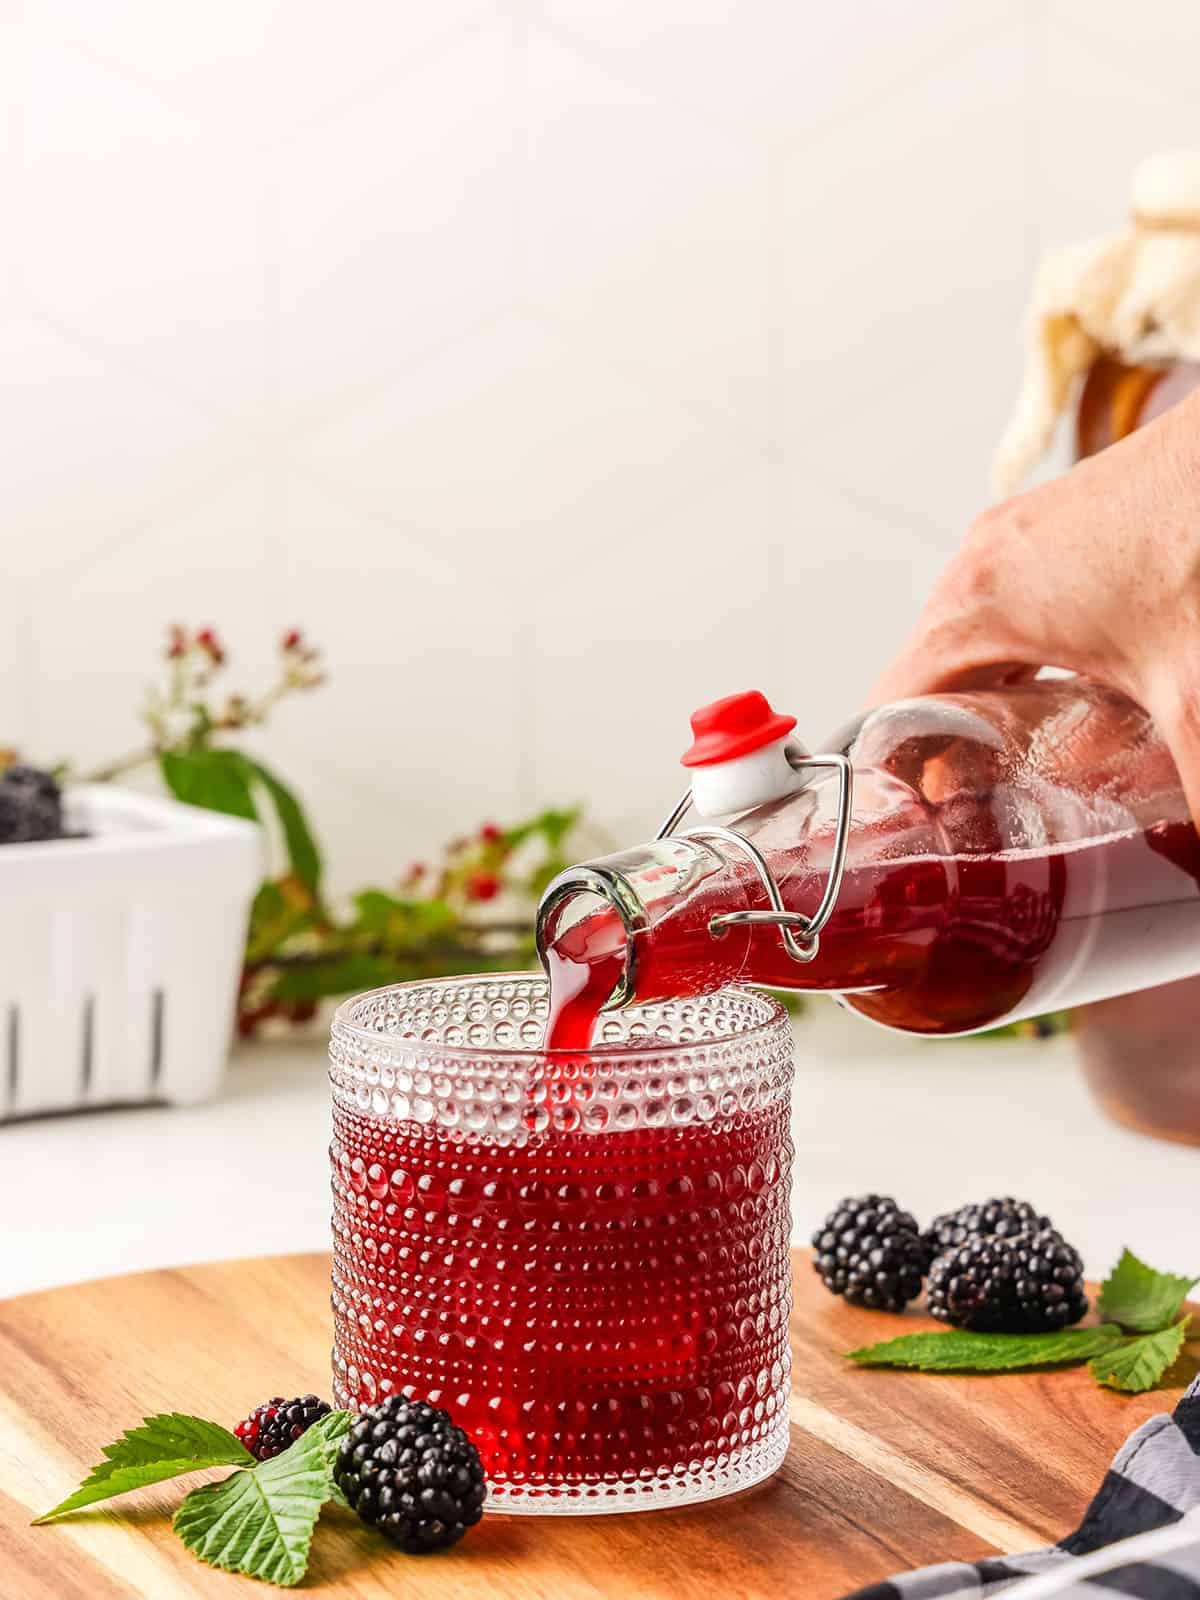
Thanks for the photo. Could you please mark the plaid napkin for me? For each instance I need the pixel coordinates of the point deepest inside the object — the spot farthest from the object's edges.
(1150, 1497)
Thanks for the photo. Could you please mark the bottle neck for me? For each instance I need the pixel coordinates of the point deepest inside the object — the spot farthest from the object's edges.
(650, 923)
(634, 927)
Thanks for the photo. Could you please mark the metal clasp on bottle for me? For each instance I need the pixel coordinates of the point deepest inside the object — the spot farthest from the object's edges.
(800, 934)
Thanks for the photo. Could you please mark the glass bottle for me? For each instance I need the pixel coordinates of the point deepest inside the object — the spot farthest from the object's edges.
(956, 861)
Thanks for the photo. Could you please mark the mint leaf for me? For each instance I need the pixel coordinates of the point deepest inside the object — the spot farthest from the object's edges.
(959, 1351)
(261, 1522)
(1137, 1364)
(165, 1446)
(1141, 1299)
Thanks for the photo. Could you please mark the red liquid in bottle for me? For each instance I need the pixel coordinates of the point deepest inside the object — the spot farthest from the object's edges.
(932, 944)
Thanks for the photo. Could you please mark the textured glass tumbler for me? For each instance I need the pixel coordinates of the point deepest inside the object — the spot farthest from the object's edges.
(583, 1257)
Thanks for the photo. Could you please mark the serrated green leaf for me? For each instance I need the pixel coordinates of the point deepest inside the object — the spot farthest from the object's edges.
(959, 1351)
(165, 1446)
(1136, 1365)
(218, 780)
(1141, 1299)
(261, 1523)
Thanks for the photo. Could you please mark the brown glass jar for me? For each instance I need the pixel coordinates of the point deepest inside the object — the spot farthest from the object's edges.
(1140, 1053)
(1117, 398)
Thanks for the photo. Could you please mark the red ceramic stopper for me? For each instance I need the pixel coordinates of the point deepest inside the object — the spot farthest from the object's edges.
(734, 727)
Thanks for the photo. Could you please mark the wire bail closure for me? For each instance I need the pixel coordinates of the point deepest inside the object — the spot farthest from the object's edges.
(790, 923)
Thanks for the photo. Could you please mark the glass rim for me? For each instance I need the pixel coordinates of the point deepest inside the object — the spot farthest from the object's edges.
(342, 1024)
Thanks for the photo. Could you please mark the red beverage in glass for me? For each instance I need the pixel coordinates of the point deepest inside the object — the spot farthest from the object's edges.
(583, 1257)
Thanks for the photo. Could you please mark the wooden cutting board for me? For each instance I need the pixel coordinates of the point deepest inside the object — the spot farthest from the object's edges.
(886, 1470)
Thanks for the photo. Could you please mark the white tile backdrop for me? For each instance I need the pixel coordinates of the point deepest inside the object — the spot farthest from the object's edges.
(557, 366)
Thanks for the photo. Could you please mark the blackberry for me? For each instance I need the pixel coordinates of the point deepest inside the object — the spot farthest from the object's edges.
(408, 1471)
(271, 1427)
(998, 1283)
(30, 806)
(870, 1251)
(1002, 1218)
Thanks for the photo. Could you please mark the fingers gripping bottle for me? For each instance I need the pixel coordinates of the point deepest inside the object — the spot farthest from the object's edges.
(953, 862)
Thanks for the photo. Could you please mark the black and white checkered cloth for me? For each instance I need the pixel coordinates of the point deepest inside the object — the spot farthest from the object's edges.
(1140, 1537)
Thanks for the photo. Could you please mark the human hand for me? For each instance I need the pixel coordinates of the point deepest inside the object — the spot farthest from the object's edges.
(1097, 572)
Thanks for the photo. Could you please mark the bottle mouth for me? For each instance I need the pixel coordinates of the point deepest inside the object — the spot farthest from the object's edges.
(614, 891)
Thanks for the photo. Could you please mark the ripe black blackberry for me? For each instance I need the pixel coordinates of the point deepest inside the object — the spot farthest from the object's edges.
(870, 1251)
(30, 806)
(408, 1471)
(1004, 1217)
(271, 1427)
(1027, 1283)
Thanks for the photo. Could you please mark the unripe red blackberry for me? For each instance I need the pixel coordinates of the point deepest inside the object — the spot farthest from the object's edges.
(277, 1423)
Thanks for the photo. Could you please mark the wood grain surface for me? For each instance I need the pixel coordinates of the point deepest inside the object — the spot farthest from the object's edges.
(886, 1469)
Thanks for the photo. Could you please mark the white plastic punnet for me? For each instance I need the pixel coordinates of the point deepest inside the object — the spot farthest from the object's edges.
(120, 953)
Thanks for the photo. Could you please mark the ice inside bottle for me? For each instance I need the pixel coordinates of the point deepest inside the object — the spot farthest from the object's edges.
(1008, 852)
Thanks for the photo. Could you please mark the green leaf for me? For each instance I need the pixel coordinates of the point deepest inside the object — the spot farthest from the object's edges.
(958, 1351)
(1141, 1299)
(555, 825)
(261, 1522)
(552, 826)
(431, 917)
(379, 915)
(165, 1446)
(347, 974)
(302, 851)
(1047, 1026)
(281, 911)
(376, 910)
(218, 780)
(1137, 1364)
(224, 780)
(541, 876)
(269, 904)
(791, 1000)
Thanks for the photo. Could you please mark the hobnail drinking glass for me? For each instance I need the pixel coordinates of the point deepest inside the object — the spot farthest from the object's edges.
(584, 1256)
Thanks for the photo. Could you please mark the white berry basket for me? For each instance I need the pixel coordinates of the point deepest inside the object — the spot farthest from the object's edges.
(120, 953)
